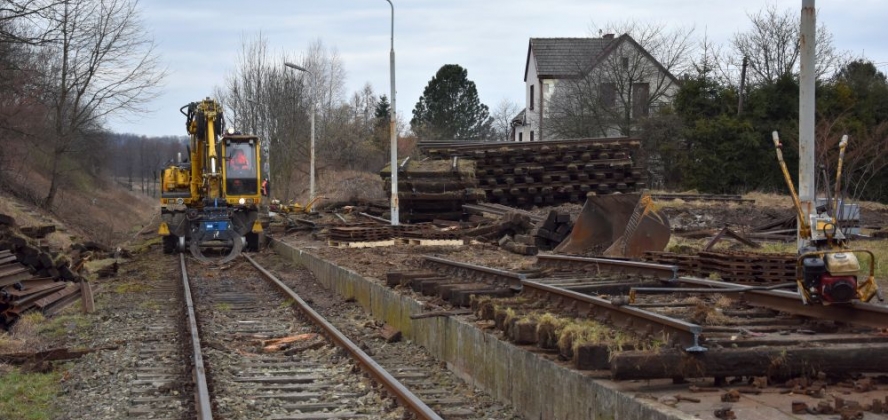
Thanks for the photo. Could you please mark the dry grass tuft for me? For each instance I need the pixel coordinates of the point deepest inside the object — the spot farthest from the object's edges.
(708, 315)
(23, 334)
(724, 302)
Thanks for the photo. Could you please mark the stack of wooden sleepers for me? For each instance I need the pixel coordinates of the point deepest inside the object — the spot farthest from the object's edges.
(434, 189)
(549, 172)
(738, 267)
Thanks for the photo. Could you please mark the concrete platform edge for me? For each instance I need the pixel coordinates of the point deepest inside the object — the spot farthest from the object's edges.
(536, 387)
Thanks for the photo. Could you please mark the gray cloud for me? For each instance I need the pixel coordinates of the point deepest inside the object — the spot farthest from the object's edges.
(199, 40)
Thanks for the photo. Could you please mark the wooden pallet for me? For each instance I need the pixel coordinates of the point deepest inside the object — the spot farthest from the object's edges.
(362, 244)
(430, 242)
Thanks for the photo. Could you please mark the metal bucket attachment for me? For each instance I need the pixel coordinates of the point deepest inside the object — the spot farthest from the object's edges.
(617, 225)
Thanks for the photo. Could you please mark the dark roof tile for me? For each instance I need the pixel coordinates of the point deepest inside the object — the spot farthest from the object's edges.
(566, 56)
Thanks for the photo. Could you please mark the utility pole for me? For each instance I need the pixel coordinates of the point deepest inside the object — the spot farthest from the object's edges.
(314, 107)
(742, 85)
(392, 128)
(806, 111)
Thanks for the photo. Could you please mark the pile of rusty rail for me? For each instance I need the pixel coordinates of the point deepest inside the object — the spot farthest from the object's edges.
(549, 172)
(784, 229)
(21, 290)
(354, 234)
(731, 198)
(736, 267)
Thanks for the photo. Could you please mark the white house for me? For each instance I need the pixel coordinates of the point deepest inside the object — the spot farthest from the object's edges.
(622, 73)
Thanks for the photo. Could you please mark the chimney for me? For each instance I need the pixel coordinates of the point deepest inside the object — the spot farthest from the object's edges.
(608, 36)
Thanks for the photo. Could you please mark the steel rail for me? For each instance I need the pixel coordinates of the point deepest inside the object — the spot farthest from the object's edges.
(661, 271)
(514, 280)
(857, 313)
(404, 396)
(642, 321)
(202, 397)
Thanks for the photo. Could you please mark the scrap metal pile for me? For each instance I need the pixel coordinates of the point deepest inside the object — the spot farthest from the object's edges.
(515, 230)
(34, 278)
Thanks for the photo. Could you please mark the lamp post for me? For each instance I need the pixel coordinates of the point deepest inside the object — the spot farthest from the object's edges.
(311, 191)
(394, 135)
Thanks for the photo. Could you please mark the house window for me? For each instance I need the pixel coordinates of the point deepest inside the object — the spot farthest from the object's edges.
(531, 98)
(625, 61)
(608, 94)
(520, 136)
(531, 135)
(640, 98)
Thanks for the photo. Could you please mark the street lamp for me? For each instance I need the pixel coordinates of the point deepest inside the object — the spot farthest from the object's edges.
(311, 191)
(394, 135)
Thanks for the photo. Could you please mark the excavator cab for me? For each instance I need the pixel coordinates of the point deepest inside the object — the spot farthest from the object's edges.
(241, 167)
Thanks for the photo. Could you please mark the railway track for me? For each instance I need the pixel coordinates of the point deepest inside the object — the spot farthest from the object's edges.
(684, 326)
(262, 361)
(240, 344)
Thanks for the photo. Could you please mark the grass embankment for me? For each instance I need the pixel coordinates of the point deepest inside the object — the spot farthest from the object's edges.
(26, 394)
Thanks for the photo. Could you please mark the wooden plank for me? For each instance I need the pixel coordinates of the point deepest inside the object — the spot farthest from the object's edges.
(366, 244)
(86, 295)
(430, 242)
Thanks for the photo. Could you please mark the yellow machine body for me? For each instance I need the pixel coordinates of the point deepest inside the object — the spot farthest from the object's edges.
(212, 198)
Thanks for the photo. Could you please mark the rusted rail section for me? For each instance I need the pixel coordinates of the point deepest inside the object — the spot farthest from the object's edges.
(660, 271)
(202, 391)
(702, 197)
(475, 272)
(642, 322)
(410, 401)
(858, 313)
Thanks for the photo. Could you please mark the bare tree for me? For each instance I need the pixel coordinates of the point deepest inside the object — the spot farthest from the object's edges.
(772, 46)
(865, 159)
(103, 64)
(672, 47)
(243, 95)
(502, 116)
(28, 21)
(326, 85)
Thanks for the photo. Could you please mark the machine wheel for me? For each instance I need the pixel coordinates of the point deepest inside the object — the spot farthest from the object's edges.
(252, 242)
(169, 244)
(224, 240)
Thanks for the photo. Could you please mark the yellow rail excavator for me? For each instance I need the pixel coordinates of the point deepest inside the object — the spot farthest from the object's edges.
(827, 269)
(210, 202)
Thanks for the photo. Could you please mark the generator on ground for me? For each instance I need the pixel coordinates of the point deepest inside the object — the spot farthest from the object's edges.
(827, 269)
(210, 201)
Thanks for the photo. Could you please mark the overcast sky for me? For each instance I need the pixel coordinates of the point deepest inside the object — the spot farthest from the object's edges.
(198, 41)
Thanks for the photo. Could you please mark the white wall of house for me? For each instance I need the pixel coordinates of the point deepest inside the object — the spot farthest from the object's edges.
(532, 111)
